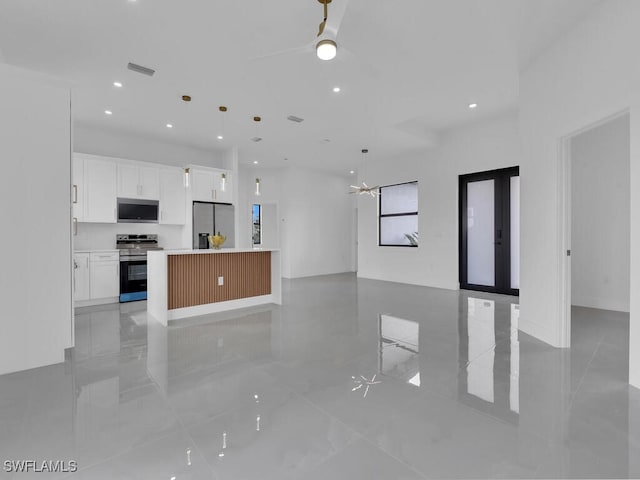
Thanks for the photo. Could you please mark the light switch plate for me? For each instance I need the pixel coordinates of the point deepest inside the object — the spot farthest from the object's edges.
(220, 281)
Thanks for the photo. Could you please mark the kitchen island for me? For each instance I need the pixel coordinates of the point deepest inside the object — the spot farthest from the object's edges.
(187, 283)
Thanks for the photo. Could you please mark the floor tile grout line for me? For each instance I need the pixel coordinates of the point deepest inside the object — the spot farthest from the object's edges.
(586, 370)
(185, 430)
(358, 434)
(144, 444)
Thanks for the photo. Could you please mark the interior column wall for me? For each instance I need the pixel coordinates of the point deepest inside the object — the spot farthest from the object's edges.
(35, 213)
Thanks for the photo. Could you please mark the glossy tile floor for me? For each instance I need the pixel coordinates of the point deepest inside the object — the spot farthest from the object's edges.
(347, 380)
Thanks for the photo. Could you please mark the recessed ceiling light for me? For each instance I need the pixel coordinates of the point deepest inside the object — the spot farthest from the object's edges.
(473, 105)
(117, 84)
(108, 112)
(255, 162)
(336, 89)
(352, 172)
(169, 125)
(220, 137)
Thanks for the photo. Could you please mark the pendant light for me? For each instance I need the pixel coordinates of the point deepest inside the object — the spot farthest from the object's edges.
(257, 192)
(365, 189)
(256, 121)
(187, 174)
(222, 109)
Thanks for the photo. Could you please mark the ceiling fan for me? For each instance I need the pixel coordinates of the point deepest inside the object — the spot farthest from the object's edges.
(324, 44)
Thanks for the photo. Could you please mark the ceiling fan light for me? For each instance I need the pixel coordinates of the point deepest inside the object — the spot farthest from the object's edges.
(326, 49)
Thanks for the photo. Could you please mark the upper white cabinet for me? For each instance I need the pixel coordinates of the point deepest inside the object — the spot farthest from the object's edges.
(172, 197)
(138, 181)
(99, 187)
(211, 185)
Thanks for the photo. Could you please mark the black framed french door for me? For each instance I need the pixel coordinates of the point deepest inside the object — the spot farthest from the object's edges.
(489, 248)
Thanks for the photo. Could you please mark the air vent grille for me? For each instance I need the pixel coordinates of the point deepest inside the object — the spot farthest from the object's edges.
(140, 69)
(293, 118)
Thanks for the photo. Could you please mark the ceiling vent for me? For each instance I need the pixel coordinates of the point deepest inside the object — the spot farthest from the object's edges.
(293, 118)
(140, 69)
(256, 139)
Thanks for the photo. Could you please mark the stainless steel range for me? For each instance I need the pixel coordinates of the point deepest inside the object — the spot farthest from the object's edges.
(133, 264)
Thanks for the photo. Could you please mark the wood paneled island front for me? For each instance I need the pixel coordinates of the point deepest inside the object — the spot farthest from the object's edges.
(186, 283)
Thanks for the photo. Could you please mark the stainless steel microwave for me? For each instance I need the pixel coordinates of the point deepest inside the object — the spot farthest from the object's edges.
(132, 210)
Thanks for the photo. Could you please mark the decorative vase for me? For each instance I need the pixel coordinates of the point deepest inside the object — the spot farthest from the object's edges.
(216, 241)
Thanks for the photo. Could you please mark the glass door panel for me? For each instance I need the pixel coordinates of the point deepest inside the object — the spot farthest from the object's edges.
(480, 233)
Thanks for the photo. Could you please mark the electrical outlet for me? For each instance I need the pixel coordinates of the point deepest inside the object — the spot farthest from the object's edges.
(220, 281)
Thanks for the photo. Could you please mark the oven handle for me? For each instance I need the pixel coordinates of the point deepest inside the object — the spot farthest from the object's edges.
(134, 258)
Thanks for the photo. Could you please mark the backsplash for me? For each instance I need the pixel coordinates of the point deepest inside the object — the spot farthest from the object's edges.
(102, 236)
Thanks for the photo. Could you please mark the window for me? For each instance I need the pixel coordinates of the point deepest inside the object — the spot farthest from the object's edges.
(257, 224)
(398, 219)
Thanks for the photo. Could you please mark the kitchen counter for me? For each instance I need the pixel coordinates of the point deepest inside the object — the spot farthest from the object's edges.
(112, 250)
(187, 283)
(213, 250)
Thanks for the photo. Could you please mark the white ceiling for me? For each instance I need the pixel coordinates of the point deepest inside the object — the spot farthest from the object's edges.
(414, 67)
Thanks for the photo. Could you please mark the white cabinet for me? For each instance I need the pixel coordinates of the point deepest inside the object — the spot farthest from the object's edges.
(81, 277)
(211, 185)
(104, 275)
(77, 190)
(138, 181)
(172, 197)
(99, 190)
(96, 277)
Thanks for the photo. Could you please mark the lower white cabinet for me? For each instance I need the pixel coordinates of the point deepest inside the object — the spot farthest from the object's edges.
(96, 277)
(81, 277)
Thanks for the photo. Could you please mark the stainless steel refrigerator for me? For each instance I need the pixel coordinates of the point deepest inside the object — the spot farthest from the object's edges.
(211, 218)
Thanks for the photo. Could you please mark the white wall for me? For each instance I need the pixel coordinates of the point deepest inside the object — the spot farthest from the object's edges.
(315, 213)
(600, 216)
(586, 76)
(582, 79)
(485, 146)
(634, 274)
(97, 141)
(35, 214)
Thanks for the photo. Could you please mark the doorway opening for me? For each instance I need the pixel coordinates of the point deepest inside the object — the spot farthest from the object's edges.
(489, 248)
(595, 217)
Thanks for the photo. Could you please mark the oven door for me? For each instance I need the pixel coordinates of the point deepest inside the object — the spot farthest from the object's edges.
(133, 279)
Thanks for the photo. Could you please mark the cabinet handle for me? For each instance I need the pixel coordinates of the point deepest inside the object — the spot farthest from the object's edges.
(75, 226)
(75, 194)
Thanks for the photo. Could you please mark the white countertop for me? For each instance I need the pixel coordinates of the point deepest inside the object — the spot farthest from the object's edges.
(210, 250)
(113, 250)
